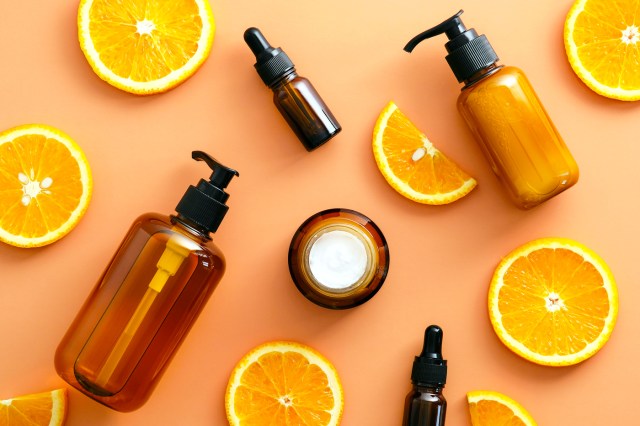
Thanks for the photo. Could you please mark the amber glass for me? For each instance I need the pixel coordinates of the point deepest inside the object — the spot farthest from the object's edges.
(124, 336)
(424, 406)
(305, 111)
(355, 224)
(517, 136)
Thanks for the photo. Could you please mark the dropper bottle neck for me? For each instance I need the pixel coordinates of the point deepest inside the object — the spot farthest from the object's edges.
(284, 79)
(428, 388)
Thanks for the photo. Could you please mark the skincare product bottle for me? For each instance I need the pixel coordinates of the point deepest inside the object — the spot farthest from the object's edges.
(506, 117)
(425, 405)
(294, 96)
(338, 258)
(148, 297)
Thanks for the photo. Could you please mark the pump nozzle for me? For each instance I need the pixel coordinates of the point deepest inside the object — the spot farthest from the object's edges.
(468, 52)
(429, 368)
(221, 175)
(204, 205)
(452, 27)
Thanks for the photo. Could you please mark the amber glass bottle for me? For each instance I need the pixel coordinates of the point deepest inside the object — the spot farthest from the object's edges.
(147, 299)
(514, 131)
(425, 405)
(506, 117)
(294, 96)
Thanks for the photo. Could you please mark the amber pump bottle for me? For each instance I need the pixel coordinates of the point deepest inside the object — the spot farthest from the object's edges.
(506, 117)
(294, 96)
(148, 297)
(425, 405)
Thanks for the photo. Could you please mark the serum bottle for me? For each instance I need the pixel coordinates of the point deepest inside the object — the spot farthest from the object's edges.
(148, 297)
(506, 117)
(294, 96)
(425, 405)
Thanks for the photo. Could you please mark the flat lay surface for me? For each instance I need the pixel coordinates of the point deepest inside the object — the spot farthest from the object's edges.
(442, 258)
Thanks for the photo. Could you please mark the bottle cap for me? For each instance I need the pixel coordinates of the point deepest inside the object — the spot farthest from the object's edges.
(204, 205)
(429, 368)
(271, 63)
(468, 52)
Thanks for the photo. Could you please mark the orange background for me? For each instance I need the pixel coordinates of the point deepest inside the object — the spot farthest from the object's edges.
(442, 258)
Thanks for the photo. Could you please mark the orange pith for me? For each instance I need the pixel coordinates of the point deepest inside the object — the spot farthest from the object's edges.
(284, 383)
(145, 47)
(412, 165)
(602, 43)
(42, 409)
(45, 185)
(553, 301)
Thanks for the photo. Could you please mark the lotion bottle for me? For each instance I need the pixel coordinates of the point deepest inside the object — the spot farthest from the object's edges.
(506, 117)
(148, 297)
(425, 405)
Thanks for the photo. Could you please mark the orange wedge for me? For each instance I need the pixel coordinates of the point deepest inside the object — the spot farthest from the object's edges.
(145, 47)
(553, 301)
(284, 383)
(488, 408)
(602, 41)
(412, 165)
(41, 409)
(45, 185)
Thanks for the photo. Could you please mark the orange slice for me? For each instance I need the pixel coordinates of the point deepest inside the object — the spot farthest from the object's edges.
(602, 41)
(488, 408)
(45, 185)
(142, 46)
(412, 165)
(284, 383)
(41, 409)
(553, 301)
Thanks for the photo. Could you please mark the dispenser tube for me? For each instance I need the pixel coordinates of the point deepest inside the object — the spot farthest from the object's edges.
(168, 265)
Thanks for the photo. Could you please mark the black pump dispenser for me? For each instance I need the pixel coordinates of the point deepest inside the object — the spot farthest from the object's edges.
(468, 52)
(204, 205)
(429, 369)
(271, 63)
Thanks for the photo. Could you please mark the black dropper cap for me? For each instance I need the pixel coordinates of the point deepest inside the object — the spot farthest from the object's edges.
(204, 205)
(271, 63)
(468, 52)
(429, 368)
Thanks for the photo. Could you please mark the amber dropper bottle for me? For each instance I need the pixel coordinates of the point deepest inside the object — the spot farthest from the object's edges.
(506, 117)
(425, 405)
(294, 96)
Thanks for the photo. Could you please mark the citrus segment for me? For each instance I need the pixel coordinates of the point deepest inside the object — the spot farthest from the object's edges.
(145, 47)
(284, 383)
(553, 301)
(42, 409)
(45, 185)
(488, 408)
(412, 165)
(601, 40)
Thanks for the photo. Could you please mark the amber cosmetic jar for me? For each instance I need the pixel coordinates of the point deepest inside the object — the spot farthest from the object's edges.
(338, 258)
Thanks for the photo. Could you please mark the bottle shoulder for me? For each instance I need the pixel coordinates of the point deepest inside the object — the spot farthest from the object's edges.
(501, 82)
(426, 394)
(153, 223)
(504, 76)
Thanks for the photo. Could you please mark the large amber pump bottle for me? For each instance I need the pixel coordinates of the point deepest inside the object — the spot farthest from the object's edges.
(506, 117)
(148, 298)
